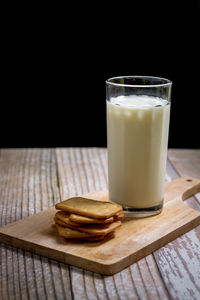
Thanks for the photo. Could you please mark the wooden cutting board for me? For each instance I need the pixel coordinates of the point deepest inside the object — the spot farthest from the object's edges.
(135, 239)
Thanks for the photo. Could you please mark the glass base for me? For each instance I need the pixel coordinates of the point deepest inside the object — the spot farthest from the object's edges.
(142, 212)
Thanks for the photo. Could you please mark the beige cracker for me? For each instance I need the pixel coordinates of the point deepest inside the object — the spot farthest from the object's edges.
(87, 220)
(118, 217)
(89, 208)
(63, 224)
(65, 218)
(97, 229)
(75, 234)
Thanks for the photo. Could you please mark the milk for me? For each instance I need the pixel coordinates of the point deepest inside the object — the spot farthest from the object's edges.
(137, 129)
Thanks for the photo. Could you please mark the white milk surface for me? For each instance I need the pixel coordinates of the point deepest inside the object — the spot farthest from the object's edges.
(137, 149)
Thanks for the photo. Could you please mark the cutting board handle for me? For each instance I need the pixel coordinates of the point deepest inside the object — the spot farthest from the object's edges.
(183, 187)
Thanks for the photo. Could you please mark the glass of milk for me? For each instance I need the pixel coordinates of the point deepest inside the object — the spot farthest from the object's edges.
(138, 112)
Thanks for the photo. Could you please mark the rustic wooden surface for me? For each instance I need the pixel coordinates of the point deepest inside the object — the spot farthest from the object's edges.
(29, 183)
(134, 240)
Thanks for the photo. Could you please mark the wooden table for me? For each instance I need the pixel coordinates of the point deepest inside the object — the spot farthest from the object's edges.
(32, 180)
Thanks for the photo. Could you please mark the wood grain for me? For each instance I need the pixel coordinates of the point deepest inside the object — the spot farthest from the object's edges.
(136, 287)
(186, 161)
(179, 262)
(172, 271)
(28, 184)
(164, 267)
(133, 240)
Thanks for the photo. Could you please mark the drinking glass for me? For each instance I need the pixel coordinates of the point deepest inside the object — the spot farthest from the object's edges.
(138, 112)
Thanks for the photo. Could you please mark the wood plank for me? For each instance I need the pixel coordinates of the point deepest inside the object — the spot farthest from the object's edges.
(135, 286)
(135, 239)
(28, 184)
(102, 285)
(171, 174)
(96, 281)
(179, 262)
(186, 161)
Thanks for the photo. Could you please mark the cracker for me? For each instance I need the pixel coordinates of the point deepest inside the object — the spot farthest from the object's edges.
(94, 238)
(118, 217)
(89, 208)
(72, 233)
(119, 213)
(59, 222)
(86, 220)
(65, 218)
(98, 229)
(63, 224)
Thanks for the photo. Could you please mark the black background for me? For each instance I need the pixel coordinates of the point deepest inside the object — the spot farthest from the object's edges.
(56, 60)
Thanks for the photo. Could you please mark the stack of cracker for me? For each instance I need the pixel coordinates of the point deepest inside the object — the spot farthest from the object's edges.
(91, 220)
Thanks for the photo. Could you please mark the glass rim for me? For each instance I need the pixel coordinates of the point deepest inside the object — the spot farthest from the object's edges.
(166, 83)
